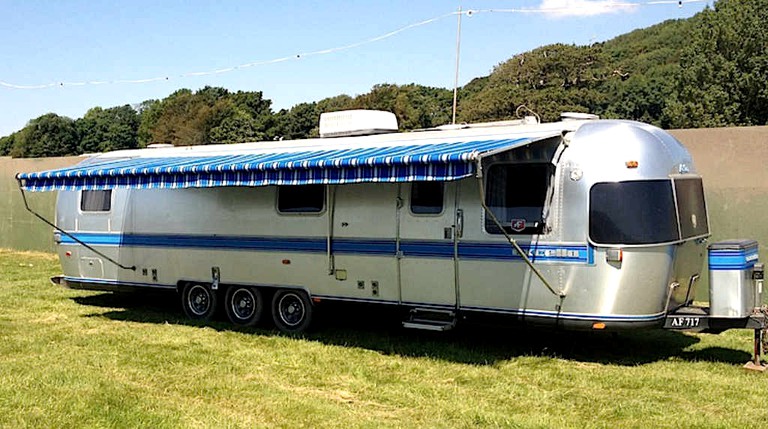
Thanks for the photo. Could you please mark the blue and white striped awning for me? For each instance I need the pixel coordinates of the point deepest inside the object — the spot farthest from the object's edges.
(393, 163)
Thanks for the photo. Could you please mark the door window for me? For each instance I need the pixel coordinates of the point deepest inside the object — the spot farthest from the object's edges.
(426, 198)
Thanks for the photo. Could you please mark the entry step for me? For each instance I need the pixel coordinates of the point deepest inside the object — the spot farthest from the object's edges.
(430, 319)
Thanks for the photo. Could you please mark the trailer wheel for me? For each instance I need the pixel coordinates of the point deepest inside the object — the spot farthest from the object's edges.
(198, 301)
(291, 310)
(244, 305)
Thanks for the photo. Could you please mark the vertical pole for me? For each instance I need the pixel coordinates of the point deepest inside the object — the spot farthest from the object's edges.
(330, 202)
(456, 77)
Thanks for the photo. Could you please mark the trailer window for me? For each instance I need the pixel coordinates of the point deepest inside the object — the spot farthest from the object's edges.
(96, 201)
(691, 207)
(426, 198)
(516, 194)
(638, 212)
(300, 198)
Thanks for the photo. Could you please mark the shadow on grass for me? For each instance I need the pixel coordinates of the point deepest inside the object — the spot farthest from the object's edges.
(376, 328)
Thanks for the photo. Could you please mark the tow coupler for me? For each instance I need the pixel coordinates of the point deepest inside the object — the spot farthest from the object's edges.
(697, 319)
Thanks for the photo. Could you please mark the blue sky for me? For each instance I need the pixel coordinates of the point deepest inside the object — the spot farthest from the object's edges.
(85, 43)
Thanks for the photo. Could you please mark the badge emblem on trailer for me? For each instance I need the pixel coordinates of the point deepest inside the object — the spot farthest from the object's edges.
(694, 222)
(576, 174)
(517, 225)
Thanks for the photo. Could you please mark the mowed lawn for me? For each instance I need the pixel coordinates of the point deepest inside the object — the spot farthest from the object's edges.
(83, 359)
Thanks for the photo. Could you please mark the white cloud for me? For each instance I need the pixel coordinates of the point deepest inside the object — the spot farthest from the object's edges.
(566, 8)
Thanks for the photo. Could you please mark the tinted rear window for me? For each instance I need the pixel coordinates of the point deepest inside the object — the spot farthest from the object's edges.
(641, 212)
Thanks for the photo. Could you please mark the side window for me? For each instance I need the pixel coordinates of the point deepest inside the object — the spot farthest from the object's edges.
(96, 201)
(426, 198)
(692, 209)
(516, 194)
(300, 199)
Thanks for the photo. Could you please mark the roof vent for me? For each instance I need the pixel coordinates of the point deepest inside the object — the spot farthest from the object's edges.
(578, 116)
(348, 123)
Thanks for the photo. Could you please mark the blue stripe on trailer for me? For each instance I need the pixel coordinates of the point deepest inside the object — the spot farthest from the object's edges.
(393, 162)
(719, 260)
(550, 252)
(535, 252)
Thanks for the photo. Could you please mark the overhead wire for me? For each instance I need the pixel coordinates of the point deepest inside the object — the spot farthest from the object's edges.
(469, 12)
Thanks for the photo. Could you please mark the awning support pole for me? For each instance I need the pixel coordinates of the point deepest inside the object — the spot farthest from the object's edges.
(78, 241)
(513, 242)
(330, 207)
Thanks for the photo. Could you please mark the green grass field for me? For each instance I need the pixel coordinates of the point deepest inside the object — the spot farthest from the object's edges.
(81, 359)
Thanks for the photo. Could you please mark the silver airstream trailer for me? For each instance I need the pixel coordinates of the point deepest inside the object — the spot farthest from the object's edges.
(579, 224)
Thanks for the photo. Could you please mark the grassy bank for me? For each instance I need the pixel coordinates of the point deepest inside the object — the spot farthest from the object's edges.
(80, 359)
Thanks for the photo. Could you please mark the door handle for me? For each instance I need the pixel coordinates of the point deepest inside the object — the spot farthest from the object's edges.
(459, 223)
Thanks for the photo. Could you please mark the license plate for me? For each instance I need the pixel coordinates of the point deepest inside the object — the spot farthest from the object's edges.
(684, 322)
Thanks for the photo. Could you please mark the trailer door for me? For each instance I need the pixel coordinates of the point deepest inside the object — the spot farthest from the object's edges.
(426, 244)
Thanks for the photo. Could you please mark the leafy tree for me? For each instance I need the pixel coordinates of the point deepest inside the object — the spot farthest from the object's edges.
(103, 130)
(415, 106)
(643, 66)
(237, 128)
(723, 77)
(708, 70)
(209, 95)
(47, 135)
(210, 115)
(301, 121)
(548, 80)
(176, 120)
(253, 105)
(149, 113)
(334, 104)
(6, 144)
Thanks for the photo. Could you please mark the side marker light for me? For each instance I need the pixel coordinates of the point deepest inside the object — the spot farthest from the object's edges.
(614, 255)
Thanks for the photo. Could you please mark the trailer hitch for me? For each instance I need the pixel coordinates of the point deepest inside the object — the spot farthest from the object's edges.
(697, 319)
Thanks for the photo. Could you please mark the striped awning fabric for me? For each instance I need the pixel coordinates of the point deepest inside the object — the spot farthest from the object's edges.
(393, 163)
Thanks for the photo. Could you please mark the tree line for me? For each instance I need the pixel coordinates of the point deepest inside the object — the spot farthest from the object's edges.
(705, 71)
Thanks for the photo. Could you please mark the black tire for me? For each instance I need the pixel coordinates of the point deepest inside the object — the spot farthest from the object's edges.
(198, 301)
(291, 310)
(244, 305)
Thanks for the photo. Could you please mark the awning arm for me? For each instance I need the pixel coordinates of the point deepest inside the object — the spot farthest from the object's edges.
(480, 156)
(511, 239)
(51, 224)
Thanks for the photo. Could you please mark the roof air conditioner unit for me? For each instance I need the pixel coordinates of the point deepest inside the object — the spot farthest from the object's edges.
(357, 123)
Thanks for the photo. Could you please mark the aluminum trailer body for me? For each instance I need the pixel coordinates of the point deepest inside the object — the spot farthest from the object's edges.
(610, 217)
